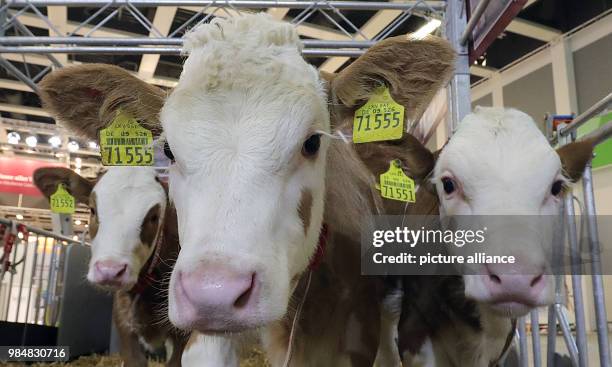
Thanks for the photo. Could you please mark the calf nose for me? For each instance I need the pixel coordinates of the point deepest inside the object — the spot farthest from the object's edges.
(110, 272)
(515, 283)
(215, 297)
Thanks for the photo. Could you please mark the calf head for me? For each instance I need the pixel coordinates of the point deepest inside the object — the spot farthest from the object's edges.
(498, 163)
(127, 206)
(247, 128)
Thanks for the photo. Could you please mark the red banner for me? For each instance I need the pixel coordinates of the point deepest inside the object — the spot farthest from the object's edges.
(16, 175)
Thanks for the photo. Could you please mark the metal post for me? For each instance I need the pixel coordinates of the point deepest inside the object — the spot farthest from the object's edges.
(574, 249)
(570, 342)
(535, 338)
(523, 350)
(551, 342)
(598, 289)
(460, 104)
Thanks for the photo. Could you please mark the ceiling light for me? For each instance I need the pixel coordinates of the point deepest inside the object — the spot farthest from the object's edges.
(20, 235)
(428, 28)
(77, 222)
(92, 145)
(13, 137)
(19, 217)
(55, 141)
(75, 237)
(484, 62)
(73, 146)
(31, 141)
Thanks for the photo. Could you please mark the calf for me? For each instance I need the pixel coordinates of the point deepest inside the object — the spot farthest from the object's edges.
(134, 244)
(282, 203)
(496, 163)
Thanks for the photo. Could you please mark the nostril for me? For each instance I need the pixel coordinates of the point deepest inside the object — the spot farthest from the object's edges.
(121, 271)
(536, 280)
(243, 299)
(495, 279)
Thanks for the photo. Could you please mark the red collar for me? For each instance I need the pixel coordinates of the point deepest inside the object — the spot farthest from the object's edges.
(319, 254)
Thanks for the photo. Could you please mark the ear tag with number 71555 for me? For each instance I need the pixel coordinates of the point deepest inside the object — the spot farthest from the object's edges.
(395, 185)
(381, 118)
(126, 143)
(61, 201)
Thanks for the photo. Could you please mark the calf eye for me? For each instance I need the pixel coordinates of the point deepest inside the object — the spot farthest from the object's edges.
(311, 145)
(556, 188)
(168, 152)
(449, 185)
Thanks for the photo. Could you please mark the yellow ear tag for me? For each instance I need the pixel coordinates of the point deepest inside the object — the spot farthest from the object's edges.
(395, 185)
(381, 118)
(126, 143)
(61, 201)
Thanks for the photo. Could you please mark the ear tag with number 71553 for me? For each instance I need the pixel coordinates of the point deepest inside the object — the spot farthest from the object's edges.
(126, 143)
(395, 185)
(61, 201)
(381, 118)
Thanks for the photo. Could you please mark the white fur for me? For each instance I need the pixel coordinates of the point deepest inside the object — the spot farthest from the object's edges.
(245, 103)
(503, 165)
(124, 195)
(210, 351)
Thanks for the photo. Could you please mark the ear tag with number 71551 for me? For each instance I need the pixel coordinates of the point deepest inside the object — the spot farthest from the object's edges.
(381, 118)
(61, 201)
(126, 143)
(395, 185)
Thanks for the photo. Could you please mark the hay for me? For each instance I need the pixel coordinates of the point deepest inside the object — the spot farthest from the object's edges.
(254, 358)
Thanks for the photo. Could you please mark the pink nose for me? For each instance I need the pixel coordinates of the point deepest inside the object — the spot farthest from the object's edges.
(515, 283)
(109, 272)
(216, 298)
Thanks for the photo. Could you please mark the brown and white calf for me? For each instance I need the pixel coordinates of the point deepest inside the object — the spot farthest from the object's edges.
(497, 163)
(134, 243)
(256, 178)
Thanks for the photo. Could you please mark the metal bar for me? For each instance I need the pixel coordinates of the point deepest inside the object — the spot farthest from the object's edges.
(460, 104)
(250, 4)
(586, 115)
(33, 273)
(24, 259)
(50, 275)
(40, 281)
(535, 338)
(474, 18)
(141, 41)
(597, 281)
(551, 338)
(11, 280)
(26, 30)
(600, 135)
(18, 74)
(150, 50)
(567, 335)
(523, 351)
(572, 237)
(43, 232)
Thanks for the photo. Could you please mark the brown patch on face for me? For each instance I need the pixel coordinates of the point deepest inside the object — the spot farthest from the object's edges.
(305, 209)
(149, 226)
(93, 216)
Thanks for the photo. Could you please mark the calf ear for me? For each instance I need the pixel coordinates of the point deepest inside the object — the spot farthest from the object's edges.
(86, 98)
(413, 69)
(48, 178)
(574, 158)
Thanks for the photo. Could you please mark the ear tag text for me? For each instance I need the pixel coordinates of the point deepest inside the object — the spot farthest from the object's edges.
(381, 118)
(61, 201)
(395, 185)
(126, 143)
